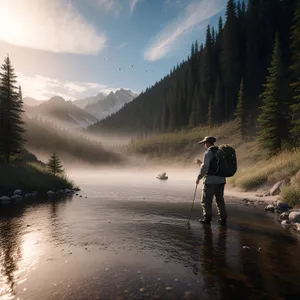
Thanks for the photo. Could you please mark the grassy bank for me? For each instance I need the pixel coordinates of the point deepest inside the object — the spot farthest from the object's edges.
(183, 147)
(31, 177)
(285, 164)
(267, 172)
(256, 168)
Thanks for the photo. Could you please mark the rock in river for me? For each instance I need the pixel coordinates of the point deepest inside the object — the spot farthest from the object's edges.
(18, 192)
(270, 207)
(50, 194)
(286, 223)
(294, 217)
(284, 216)
(16, 198)
(4, 200)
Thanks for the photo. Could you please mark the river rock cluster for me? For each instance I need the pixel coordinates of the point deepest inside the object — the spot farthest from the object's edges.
(18, 195)
(288, 217)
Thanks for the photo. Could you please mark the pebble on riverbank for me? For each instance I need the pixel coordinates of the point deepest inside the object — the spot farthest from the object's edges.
(288, 218)
(18, 195)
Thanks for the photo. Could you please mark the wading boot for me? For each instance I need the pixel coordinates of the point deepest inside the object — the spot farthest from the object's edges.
(222, 222)
(205, 221)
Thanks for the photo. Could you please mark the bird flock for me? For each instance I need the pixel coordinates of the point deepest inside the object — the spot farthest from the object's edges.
(132, 66)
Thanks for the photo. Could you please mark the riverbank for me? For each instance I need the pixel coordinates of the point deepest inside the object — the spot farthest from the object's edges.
(30, 180)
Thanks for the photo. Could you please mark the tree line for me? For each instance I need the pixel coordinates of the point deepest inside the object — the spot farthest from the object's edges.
(248, 69)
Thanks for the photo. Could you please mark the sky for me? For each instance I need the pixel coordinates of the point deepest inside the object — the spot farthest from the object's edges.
(78, 48)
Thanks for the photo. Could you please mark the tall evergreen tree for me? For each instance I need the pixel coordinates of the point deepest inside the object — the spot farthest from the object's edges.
(218, 103)
(11, 109)
(295, 108)
(253, 73)
(240, 112)
(196, 47)
(54, 165)
(210, 113)
(272, 119)
(230, 59)
(207, 80)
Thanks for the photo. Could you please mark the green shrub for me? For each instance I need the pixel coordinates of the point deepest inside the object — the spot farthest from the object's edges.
(291, 195)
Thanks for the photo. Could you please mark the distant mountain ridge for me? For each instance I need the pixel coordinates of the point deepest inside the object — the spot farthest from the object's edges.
(60, 110)
(82, 112)
(111, 104)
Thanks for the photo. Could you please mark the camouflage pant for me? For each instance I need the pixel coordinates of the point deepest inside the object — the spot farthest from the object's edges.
(209, 191)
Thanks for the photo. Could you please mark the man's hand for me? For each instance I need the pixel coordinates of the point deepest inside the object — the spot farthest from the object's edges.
(198, 161)
(197, 181)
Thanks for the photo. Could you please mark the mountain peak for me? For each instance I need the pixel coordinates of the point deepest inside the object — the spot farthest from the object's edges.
(112, 103)
(57, 100)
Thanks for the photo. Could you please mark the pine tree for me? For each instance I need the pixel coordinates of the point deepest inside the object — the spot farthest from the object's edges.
(230, 59)
(295, 107)
(240, 112)
(253, 73)
(218, 103)
(54, 165)
(207, 80)
(194, 115)
(11, 109)
(210, 113)
(196, 47)
(272, 119)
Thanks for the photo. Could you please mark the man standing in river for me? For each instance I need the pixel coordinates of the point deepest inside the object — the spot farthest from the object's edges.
(213, 185)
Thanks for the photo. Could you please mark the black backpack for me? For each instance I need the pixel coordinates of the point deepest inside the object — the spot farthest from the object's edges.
(224, 163)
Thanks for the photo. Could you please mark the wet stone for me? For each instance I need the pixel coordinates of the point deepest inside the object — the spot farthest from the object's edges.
(270, 208)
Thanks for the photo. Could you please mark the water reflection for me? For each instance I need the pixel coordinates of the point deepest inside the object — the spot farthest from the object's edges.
(22, 240)
(11, 253)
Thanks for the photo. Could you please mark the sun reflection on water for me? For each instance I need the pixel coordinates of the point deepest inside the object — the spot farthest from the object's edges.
(18, 258)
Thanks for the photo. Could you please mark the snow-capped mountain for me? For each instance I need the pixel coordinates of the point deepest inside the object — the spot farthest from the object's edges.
(82, 103)
(111, 104)
(62, 111)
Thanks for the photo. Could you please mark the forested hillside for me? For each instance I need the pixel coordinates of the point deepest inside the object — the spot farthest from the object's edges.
(234, 63)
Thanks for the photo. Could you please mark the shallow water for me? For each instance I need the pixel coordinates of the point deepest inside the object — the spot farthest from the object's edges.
(129, 240)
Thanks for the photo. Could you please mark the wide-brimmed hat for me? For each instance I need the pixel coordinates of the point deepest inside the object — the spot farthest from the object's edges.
(209, 139)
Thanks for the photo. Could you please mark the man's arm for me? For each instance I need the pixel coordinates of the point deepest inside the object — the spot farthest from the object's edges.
(205, 165)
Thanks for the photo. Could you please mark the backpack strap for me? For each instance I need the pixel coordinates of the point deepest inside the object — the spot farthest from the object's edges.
(213, 165)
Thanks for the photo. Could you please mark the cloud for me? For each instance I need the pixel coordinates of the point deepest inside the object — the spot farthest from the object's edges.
(121, 46)
(194, 15)
(43, 88)
(133, 4)
(53, 26)
(116, 6)
(110, 6)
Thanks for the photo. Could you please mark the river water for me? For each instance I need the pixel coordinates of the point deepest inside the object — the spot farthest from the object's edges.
(129, 240)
